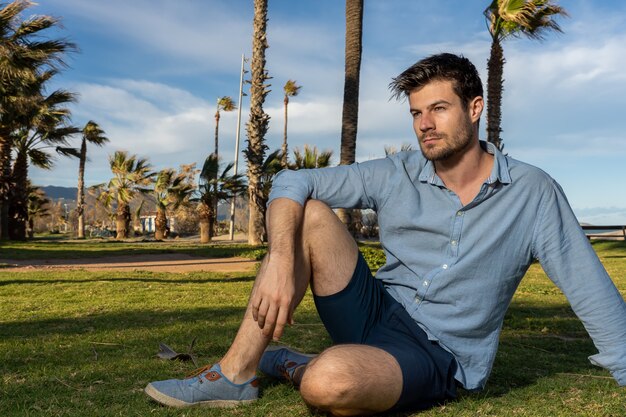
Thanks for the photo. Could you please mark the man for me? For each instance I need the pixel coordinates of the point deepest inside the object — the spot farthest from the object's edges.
(460, 224)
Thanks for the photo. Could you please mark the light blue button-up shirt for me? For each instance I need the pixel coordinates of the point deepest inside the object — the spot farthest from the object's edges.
(455, 268)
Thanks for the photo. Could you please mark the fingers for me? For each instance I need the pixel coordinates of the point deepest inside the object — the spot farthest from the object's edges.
(272, 317)
(270, 320)
(255, 310)
(283, 316)
(261, 314)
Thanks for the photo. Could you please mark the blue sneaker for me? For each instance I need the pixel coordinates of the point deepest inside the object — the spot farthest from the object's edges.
(281, 362)
(206, 387)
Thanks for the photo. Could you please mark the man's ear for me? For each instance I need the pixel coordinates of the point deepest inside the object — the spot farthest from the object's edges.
(476, 108)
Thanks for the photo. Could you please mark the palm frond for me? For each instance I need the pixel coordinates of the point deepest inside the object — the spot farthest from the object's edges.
(226, 103)
(209, 168)
(92, 133)
(40, 158)
(291, 88)
(68, 151)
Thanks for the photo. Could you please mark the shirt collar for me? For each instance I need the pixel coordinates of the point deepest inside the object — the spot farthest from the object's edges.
(499, 172)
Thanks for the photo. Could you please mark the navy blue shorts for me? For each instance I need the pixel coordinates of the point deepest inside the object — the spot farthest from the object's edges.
(365, 313)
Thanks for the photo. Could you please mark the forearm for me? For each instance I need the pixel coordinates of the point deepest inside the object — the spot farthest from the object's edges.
(284, 218)
(273, 294)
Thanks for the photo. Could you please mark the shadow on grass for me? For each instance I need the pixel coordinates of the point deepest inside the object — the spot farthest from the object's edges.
(120, 320)
(609, 244)
(77, 249)
(134, 279)
(526, 355)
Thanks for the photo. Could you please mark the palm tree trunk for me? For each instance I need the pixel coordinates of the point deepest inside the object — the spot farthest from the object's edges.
(495, 68)
(122, 220)
(80, 195)
(160, 224)
(5, 181)
(217, 124)
(257, 124)
(350, 115)
(31, 227)
(283, 160)
(206, 224)
(205, 236)
(217, 129)
(18, 202)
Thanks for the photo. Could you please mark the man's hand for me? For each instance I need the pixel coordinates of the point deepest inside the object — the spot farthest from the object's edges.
(272, 298)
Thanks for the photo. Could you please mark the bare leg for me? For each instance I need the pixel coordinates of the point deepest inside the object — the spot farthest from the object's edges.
(345, 379)
(324, 247)
(352, 380)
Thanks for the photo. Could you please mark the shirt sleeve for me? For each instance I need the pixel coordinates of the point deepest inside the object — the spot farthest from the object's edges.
(360, 185)
(568, 259)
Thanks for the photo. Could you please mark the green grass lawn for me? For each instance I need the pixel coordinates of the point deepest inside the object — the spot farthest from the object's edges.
(84, 343)
(55, 247)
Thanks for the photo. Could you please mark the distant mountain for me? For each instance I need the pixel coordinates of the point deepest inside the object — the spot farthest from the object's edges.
(53, 192)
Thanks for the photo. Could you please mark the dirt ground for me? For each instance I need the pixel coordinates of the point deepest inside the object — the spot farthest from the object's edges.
(152, 262)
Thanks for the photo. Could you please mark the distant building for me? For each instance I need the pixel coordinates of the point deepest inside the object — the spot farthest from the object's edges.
(148, 223)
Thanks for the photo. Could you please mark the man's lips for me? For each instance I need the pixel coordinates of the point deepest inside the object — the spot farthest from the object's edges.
(430, 139)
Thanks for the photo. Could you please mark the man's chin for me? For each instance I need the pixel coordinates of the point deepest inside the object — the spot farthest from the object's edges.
(431, 152)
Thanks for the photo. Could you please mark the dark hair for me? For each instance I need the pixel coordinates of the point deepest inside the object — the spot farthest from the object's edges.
(455, 68)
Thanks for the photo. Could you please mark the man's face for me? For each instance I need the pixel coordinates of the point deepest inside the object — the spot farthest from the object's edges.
(444, 127)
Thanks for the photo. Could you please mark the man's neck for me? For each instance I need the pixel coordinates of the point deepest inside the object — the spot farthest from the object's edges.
(465, 173)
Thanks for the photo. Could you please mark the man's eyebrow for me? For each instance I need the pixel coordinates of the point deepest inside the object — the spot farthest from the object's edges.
(430, 106)
(438, 102)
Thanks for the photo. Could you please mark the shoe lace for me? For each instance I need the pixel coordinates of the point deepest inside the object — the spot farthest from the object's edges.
(287, 369)
(198, 372)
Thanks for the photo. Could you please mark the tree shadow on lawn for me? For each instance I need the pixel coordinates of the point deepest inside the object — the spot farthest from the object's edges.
(525, 356)
(144, 319)
(175, 281)
(103, 249)
(599, 245)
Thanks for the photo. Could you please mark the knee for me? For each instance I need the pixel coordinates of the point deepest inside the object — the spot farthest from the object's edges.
(316, 213)
(327, 384)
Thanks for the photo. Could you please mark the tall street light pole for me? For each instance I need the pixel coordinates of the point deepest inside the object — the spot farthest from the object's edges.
(232, 202)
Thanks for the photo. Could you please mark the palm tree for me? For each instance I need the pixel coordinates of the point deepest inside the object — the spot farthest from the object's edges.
(390, 150)
(257, 125)
(215, 187)
(38, 206)
(43, 127)
(291, 90)
(350, 115)
(171, 190)
(272, 165)
(92, 133)
(25, 55)
(311, 158)
(531, 18)
(131, 176)
(223, 104)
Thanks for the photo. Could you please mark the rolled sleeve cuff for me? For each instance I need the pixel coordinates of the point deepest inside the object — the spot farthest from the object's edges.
(287, 185)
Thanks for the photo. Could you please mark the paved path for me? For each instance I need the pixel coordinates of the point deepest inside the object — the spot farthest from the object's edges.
(169, 262)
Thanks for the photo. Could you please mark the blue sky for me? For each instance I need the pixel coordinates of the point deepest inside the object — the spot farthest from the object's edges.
(150, 71)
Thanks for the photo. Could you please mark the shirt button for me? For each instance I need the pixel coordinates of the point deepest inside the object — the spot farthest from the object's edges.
(425, 283)
(444, 266)
(459, 213)
(453, 243)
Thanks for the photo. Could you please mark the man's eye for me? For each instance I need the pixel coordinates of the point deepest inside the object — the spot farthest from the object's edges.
(416, 115)
(439, 108)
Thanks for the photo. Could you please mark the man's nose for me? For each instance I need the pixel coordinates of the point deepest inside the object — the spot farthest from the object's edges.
(426, 122)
